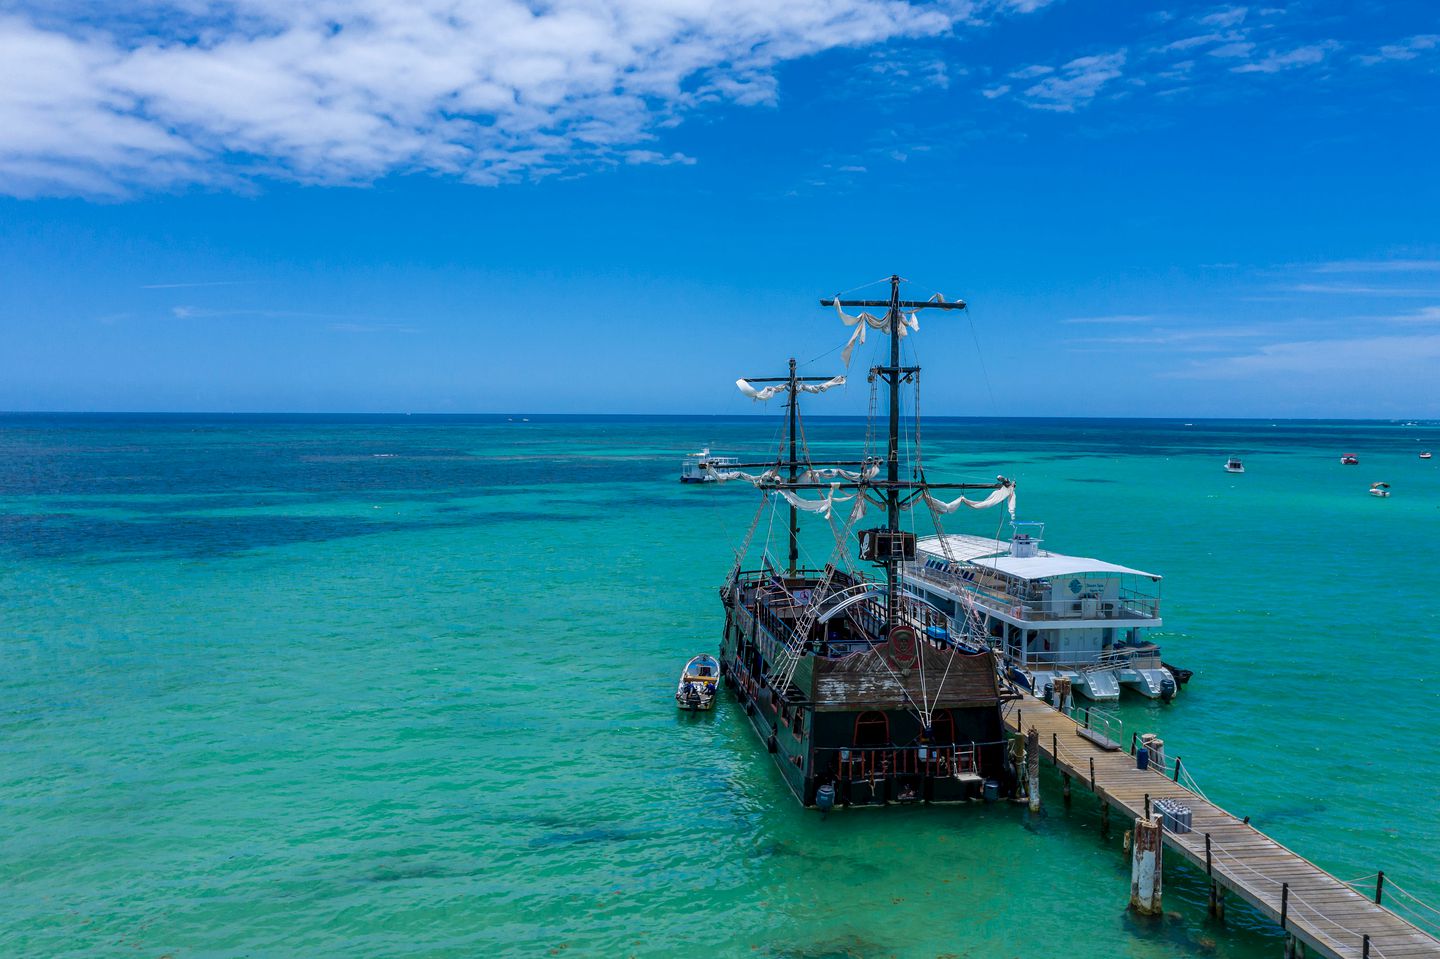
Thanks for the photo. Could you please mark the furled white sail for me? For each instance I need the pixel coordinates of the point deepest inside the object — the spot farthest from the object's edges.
(1001, 495)
(761, 394)
(822, 387)
(827, 474)
(769, 392)
(767, 478)
(821, 506)
(909, 323)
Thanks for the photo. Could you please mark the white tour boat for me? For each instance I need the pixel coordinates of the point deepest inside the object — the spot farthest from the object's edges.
(1049, 615)
(1233, 465)
(696, 467)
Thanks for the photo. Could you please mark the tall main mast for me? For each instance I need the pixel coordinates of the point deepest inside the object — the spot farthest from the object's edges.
(794, 470)
(894, 375)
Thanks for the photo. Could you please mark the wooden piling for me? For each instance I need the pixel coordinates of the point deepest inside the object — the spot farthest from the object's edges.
(1032, 768)
(1146, 868)
(1065, 789)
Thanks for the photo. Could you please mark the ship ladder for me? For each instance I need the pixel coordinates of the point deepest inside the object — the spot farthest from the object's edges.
(789, 656)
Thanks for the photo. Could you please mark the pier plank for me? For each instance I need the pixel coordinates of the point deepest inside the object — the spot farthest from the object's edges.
(1327, 915)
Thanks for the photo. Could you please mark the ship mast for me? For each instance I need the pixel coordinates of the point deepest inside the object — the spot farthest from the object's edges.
(794, 466)
(793, 383)
(894, 375)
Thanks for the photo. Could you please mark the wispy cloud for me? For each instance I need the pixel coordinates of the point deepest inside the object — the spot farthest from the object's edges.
(1359, 289)
(1299, 57)
(201, 313)
(1116, 318)
(371, 328)
(653, 158)
(186, 286)
(1356, 356)
(1407, 49)
(1075, 83)
(1226, 17)
(1378, 266)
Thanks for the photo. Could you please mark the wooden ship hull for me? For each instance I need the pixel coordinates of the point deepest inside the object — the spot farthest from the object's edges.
(853, 712)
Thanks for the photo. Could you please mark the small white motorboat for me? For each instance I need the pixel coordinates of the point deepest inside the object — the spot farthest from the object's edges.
(698, 682)
(1349, 459)
(1380, 489)
(1233, 465)
(1426, 455)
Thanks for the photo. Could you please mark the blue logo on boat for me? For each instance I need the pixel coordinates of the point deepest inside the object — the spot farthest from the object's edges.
(1075, 586)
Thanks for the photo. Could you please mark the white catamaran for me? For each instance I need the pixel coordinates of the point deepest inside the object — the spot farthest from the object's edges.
(1048, 614)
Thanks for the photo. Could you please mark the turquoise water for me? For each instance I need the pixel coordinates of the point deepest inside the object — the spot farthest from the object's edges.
(401, 687)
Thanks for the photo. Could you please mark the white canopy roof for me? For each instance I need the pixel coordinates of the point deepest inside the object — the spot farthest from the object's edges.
(994, 554)
(962, 546)
(1054, 564)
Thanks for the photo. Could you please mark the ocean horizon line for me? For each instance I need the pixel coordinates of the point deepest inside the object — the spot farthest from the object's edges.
(301, 415)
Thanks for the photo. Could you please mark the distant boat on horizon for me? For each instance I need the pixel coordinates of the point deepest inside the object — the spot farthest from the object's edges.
(1349, 459)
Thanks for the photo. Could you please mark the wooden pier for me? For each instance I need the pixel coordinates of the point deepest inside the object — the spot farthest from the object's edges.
(1319, 911)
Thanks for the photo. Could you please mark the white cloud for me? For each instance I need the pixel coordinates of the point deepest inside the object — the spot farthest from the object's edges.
(1378, 266)
(1225, 17)
(1236, 48)
(992, 93)
(1116, 318)
(1026, 6)
(1076, 83)
(1426, 314)
(171, 92)
(1407, 49)
(1299, 57)
(1360, 359)
(1359, 289)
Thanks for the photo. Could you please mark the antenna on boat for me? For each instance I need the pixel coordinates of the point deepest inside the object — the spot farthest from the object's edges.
(891, 545)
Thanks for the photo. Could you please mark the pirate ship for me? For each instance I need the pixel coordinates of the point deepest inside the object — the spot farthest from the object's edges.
(863, 692)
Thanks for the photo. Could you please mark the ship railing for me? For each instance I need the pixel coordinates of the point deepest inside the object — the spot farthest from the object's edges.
(1117, 657)
(874, 763)
(1129, 605)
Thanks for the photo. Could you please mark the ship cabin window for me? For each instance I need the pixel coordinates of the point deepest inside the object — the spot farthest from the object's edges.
(872, 729)
(942, 726)
(798, 726)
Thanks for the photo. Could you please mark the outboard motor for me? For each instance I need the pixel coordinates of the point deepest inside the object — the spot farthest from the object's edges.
(1167, 688)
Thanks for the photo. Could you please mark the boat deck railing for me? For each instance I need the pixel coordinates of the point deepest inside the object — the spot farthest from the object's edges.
(875, 763)
(1117, 657)
(994, 593)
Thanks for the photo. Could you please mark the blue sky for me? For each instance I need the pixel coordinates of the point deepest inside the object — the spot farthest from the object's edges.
(1153, 209)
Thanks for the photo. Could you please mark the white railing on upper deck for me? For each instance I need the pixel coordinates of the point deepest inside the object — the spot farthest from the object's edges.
(1128, 606)
(1116, 657)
